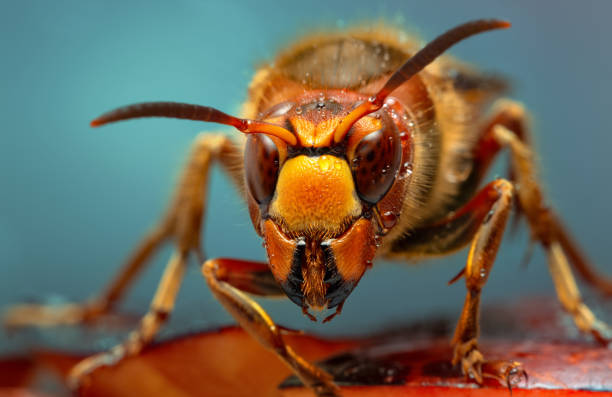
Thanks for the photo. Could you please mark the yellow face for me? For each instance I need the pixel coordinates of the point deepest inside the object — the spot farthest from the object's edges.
(315, 195)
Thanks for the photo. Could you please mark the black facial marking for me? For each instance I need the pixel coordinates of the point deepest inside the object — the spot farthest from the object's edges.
(338, 289)
(293, 285)
(336, 150)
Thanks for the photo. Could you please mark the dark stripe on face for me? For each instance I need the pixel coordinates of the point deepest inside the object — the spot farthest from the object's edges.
(338, 289)
(336, 150)
(293, 285)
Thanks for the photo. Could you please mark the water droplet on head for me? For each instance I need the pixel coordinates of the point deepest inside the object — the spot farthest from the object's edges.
(389, 219)
(483, 273)
(406, 170)
(324, 163)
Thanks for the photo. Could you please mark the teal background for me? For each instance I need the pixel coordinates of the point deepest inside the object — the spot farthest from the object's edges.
(74, 201)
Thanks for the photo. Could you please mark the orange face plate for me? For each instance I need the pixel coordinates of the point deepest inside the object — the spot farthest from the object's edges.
(315, 194)
(280, 251)
(354, 250)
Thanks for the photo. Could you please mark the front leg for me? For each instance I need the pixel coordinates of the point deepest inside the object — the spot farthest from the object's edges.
(495, 200)
(481, 221)
(225, 277)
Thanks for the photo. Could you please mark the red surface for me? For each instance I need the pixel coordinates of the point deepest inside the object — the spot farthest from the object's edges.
(228, 362)
(554, 369)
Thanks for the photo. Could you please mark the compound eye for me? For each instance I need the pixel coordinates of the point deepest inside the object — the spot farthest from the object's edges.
(261, 164)
(376, 163)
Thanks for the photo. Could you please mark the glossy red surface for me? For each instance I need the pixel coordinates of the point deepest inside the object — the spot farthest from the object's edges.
(405, 362)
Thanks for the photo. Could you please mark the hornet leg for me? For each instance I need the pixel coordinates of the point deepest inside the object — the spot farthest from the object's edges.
(226, 278)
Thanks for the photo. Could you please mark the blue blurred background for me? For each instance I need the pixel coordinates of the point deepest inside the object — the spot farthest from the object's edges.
(74, 201)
